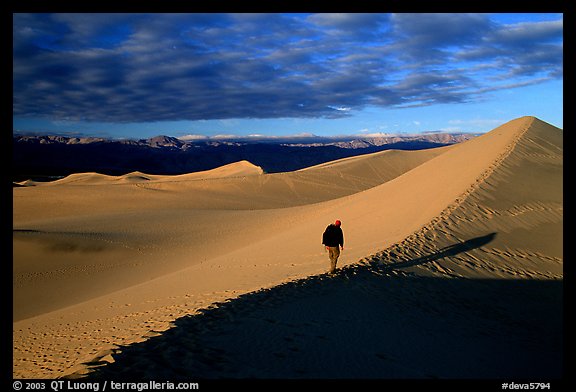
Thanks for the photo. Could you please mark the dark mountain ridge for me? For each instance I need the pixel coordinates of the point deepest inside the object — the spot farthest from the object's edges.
(37, 157)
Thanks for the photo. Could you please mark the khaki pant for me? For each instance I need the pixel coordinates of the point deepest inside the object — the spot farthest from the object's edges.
(333, 253)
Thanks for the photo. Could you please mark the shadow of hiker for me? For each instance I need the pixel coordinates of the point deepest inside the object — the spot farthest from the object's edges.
(449, 251)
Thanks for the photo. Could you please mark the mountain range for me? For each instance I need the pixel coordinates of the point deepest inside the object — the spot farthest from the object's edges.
(50, 156)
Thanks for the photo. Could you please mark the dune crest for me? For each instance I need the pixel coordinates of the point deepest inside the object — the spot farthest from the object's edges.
(156, 250)
(517, 206)
(237, 169)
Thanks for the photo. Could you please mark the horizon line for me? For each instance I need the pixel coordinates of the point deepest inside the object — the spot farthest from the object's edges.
(254, 137)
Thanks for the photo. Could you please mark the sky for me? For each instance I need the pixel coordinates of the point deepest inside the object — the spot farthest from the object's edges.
(193, 75)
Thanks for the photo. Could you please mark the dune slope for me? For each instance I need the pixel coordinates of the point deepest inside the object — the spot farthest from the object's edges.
(252, 249)
(89, 234)
(517, 209)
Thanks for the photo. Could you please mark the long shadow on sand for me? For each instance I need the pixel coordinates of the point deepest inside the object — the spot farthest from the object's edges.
(449, 251)
(366, 322)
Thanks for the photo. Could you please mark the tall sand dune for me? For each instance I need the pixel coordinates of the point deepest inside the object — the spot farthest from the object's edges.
(102, 264)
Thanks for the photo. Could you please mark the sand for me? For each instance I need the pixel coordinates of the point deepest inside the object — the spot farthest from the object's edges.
(106, 267)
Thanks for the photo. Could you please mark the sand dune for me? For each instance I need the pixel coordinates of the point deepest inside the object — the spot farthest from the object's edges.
(520, 201)
(122, 259)
(242, 168)
(236, 186)
(96, 233)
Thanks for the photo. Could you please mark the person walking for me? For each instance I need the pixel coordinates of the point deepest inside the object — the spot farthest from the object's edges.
(333, 240)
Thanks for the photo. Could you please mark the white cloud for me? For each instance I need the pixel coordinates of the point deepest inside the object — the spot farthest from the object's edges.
(193, 137)
(377, 134)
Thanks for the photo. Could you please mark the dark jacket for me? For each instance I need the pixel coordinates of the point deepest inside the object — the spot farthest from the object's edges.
(333, 236)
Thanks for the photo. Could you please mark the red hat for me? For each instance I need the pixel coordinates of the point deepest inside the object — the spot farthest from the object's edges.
(337, 223)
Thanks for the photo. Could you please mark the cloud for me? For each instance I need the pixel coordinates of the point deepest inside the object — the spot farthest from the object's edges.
(525, 49)
(189, 137)
(375, 134)
(429, 35)
(526, 34)
(346, 26)
(159, 67)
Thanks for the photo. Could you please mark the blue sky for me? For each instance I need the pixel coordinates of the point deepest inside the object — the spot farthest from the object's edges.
(142, 75)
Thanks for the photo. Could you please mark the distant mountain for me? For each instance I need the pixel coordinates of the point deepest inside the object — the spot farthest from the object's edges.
(163, 141)
(53, 156)
(439, 138)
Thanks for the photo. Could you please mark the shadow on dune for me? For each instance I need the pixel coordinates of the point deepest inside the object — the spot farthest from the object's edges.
(451, 250)
(366, 322)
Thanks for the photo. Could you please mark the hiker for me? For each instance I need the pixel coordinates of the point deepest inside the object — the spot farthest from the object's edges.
(333, 239)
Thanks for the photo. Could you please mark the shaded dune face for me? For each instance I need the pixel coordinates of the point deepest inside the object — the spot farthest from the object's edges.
(131, 254)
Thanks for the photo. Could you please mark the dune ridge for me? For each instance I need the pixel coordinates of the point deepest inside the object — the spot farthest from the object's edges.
(419, 210)
(237, 169)
(524, 222)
